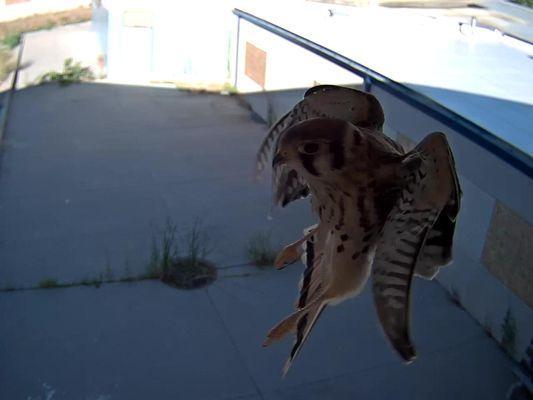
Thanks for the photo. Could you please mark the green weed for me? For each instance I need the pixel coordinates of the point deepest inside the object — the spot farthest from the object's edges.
(73, 72)
(48, 283)
(508, 328)
(260, 250)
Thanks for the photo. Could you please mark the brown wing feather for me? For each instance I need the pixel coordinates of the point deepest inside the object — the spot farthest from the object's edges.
(437, 250)
(270, 142)
(426, 194)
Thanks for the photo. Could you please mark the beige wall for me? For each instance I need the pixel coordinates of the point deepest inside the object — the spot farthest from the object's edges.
(508, 252)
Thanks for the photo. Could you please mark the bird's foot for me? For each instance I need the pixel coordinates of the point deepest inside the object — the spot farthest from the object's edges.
(289, 254)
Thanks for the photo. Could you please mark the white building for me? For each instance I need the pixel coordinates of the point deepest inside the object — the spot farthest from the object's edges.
(177, 41)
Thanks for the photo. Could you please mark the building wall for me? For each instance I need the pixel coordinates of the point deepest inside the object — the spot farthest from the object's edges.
(169, 41)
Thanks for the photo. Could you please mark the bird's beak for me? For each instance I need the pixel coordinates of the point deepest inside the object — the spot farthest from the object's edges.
(278, 160)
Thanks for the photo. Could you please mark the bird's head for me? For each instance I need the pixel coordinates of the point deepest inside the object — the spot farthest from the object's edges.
(316, 148)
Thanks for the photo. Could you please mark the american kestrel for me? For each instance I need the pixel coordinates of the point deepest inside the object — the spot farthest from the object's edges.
(381, 210)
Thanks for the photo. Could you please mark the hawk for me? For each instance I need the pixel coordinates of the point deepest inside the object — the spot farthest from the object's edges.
(381, 211)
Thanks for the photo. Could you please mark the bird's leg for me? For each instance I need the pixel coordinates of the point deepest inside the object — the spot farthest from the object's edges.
(292, 252)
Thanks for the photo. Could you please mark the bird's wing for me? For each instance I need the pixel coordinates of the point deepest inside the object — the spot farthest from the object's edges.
(430, 185)
(360, 108)
(437, 250)
(271, 141)
(286, 184)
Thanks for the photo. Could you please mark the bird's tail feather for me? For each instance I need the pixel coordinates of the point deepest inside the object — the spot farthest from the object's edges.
(311, 301)
(305, 324)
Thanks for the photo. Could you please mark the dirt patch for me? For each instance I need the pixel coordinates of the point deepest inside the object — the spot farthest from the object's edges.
(45, 21)
(185, 275)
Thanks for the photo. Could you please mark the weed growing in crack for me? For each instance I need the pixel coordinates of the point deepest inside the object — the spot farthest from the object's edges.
(508, 328)
(164, 251)
(48, 283)
(183, 267)
(196, 241)
(73, 72)
(259, 249)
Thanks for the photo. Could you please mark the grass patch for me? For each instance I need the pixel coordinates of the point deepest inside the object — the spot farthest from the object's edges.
(187, 269)
(12, 40)
(94, 281)
(525, 3)
(228, 88)
(73, 72)
(184, 267)
(508, 328)
(196, 241)
(185, 275)
(48, 283)
(260, 250)
(42, 21)
(7, 63)
(164, 251)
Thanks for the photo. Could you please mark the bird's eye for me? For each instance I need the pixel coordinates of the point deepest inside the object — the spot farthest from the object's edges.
(309, 148)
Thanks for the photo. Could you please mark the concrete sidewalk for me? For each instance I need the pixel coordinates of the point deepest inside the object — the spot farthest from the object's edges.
(148, 341)
(90, 170)
(46, 51)
(86, 171)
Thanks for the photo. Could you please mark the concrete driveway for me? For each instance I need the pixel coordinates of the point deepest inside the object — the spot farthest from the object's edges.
(87, 172)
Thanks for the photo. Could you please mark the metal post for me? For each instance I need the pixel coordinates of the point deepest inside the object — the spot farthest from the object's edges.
(367, 84)
(237, 44)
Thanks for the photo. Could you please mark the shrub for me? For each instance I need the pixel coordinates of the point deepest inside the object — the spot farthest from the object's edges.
(73, 72)
(12, 40)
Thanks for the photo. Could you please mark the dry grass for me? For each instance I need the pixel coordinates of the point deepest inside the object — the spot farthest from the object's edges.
(7, 63)
(44, 21)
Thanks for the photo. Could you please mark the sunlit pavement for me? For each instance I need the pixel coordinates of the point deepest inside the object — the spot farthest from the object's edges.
(46, 50)
(87, 172)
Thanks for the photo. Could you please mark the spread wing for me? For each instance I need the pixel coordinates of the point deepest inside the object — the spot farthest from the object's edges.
(423, 217)
(360, 108)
